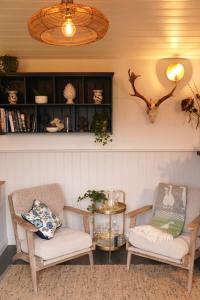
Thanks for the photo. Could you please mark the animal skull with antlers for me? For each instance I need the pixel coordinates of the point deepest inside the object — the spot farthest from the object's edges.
(152, 106)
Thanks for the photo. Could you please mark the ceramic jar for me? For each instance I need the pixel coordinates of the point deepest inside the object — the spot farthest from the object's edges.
(98, 96)
(12, 97)
(69, 93)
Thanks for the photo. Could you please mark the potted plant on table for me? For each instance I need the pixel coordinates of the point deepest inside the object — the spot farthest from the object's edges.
(97, 198)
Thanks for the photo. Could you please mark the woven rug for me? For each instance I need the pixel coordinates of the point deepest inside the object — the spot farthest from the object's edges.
(152, 282)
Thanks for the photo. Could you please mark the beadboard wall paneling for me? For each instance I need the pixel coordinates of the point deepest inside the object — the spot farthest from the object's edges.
(135, 172)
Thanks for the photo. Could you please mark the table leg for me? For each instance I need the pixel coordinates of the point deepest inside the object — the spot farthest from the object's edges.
(110, 242)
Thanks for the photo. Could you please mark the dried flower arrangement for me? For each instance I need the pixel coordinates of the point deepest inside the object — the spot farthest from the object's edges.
(191, 105)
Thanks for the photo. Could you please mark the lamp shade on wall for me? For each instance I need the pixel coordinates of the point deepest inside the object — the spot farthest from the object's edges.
(175, 72)
(68, 24)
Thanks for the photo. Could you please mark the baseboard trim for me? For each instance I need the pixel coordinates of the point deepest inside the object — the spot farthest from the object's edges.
(3, 245)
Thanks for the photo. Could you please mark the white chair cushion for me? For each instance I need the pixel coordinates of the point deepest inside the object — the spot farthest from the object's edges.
(65, 241)
(175, 249)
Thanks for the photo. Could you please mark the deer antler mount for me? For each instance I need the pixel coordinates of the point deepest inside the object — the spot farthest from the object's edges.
(152, 106)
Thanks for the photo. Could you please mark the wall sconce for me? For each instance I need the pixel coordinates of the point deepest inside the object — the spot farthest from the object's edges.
(175, 72)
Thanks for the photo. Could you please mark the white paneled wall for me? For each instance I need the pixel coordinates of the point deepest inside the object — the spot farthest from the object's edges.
(137, 173)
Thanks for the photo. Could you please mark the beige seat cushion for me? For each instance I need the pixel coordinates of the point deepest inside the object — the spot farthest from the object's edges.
(175, 249)
(65, 241)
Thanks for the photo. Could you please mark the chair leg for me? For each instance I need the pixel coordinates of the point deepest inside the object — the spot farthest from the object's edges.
(129, 260)
(34, 276)
(190, 277)
(32, 260)
(91, 259)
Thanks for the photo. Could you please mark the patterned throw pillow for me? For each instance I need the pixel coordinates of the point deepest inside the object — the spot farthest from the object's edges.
(42, 218)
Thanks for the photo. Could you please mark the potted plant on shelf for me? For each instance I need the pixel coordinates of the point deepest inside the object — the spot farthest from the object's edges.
(100, 128)
(40, 97)
(97, 199)
(8, 64)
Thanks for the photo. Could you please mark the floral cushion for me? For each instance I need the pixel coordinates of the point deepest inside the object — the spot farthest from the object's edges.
(42, 218)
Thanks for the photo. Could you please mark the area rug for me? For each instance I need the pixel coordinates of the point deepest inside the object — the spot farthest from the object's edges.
(142, 282)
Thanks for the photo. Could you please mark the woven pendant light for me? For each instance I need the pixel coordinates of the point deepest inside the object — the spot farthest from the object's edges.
(68, 24)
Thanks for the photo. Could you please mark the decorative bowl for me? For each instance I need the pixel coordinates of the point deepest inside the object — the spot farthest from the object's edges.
(41, 99)
(51, 129)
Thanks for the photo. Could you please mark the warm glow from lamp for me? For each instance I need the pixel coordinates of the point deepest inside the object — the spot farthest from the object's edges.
(68, 28)
(175, 72)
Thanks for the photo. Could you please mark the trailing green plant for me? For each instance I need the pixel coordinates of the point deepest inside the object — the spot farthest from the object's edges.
(8, 64)
(40, 92)
(100, 128)
(96, 197)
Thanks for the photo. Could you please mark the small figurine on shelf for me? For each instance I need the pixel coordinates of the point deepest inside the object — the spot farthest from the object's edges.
(56, 122)
(69, 93)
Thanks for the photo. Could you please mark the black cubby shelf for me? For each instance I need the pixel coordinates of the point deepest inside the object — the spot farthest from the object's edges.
(29, 117)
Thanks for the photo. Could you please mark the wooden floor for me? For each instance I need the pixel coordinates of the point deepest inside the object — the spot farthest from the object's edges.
(100, 258)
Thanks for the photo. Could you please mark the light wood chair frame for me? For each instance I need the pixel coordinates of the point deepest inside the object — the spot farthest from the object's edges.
(37, 263)
(187, 261)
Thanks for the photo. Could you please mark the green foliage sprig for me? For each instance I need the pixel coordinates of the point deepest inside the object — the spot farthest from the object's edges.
(8, 64)
(96, 197)
(100, 128)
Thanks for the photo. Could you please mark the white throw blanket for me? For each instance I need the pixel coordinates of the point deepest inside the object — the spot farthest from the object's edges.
(151, 233)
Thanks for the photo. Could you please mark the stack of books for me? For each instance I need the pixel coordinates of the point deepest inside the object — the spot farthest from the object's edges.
(16, 121)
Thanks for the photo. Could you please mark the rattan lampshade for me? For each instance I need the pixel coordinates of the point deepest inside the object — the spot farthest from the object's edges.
(47, 24)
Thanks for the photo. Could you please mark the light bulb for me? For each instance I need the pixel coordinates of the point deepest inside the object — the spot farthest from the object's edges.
(68, 28)
(175, 72)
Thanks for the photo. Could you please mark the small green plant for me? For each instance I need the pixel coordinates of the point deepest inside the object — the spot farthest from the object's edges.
(100, 128)
(8, 64)
(96, 197)
(39, 92)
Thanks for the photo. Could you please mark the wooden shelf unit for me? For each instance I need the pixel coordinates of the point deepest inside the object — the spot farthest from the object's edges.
(53, 85)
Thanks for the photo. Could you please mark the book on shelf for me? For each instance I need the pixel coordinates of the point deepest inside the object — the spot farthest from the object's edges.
(2, 120)
(11, 121)
(16, 121)
(23, 122)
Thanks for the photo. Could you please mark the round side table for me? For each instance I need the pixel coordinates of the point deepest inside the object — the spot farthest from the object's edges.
(110, 240)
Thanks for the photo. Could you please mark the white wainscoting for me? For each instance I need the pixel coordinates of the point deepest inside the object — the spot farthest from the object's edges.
(135, 172)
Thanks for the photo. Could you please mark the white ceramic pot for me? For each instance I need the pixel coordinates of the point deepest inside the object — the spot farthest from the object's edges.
(69, 93)
(12, 97)
(41, 99)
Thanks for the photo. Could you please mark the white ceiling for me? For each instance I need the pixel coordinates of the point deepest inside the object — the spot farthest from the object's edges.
(138, 29)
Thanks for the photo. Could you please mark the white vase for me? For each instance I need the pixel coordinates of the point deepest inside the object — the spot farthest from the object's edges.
(69, 93)
(12, 97)
(41, 99)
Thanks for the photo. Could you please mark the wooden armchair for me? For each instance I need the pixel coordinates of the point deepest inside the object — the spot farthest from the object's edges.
(182, 251)
(66, 244)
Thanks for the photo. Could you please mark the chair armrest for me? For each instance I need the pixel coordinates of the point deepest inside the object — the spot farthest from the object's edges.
(85, 214)
(27, 226)
(77, 211)
(139, 211)
(194, 224)
(134, 213)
